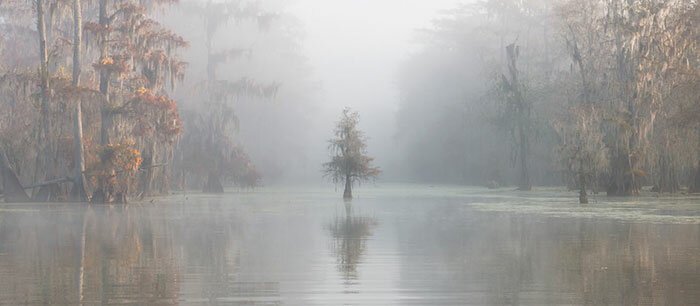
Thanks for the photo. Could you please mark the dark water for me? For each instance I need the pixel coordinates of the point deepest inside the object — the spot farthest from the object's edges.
(310, 248)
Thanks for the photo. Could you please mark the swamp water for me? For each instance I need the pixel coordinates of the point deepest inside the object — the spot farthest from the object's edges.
(393, 245)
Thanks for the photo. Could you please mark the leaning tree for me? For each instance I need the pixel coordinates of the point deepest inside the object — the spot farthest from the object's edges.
(349, 161)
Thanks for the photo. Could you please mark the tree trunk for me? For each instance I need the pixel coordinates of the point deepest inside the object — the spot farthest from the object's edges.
(47, 193)
(582, 195)
(77, 40)
(79, 188)
(49, 22)
(347, 194)
(45, 141)
(105, 192)
(43, 72)
(213, 184)
(522, 110)
(525, 184)
(105, 113)
(13, 190)
(147, 182)
(622, 181)
(43, 84)
(668, 178)
(105, 125)
(694, 186)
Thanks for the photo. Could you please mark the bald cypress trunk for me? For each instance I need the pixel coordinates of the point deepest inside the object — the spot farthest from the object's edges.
(147, 182)
(43, 76)
(347, 194)
(79, 188)
(105, 113)
(12, 189)
(623, 179)
(46, 193)
(583, 193)
(667, 175)
(525, 184)
(213, 184)
(695, 183)
(521, 111)
(77, 40)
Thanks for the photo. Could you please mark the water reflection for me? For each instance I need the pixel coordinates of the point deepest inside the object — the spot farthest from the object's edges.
(506, 259)
(37, 252)
(117, 255)
(269, 251)
(207, 241)
(350, 233)
(126, 259)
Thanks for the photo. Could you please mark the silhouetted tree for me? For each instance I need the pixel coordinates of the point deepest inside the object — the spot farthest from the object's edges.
(208, 152)
(517, 113)
(349, 161)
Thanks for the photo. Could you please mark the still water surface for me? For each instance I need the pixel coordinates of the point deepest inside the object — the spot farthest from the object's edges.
(412, 245)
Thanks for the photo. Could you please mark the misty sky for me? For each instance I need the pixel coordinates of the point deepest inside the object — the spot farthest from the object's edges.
(355, 47)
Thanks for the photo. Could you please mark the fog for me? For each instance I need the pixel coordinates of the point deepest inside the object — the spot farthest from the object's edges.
(349, 55)
(355, 48)
(349, 152)
(239, 93)
(440, 98)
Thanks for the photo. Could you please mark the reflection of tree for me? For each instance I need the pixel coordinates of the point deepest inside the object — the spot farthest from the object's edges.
(108, 255)
(512, 259)
(613, 263)
(349, 236)
(125, 258)
(135, 255)
(36, 253)
(210, 235)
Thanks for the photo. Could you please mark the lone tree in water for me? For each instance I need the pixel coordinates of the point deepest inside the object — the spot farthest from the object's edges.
(349, 162)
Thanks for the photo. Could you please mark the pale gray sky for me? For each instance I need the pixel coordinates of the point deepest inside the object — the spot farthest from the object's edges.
(355, 47)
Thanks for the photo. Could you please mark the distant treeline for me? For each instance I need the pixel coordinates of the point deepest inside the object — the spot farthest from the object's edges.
(595, 94)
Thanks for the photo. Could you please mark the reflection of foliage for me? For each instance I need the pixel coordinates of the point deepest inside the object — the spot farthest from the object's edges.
(576, 260)
(124, 257)
(350, 235)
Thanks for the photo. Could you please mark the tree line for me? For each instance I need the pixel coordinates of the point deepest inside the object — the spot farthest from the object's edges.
(600, 95)
(87, 110)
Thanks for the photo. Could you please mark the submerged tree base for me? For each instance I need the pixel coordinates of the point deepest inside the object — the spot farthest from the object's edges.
(583, 197)
(347, 193)
(213, 184)
(48, 193)
(694, 186)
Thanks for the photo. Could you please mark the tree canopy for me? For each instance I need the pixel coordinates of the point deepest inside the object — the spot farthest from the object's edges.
(349, 162)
